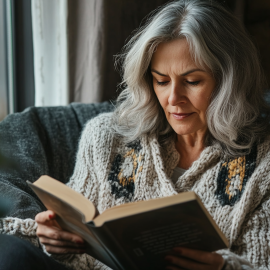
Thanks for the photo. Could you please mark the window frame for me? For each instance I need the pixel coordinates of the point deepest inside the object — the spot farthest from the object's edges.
(16, 53)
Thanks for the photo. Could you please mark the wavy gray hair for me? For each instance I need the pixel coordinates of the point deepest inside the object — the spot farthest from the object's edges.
(237, 116)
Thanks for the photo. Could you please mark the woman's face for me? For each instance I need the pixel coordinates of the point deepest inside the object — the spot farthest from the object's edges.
(182, 88)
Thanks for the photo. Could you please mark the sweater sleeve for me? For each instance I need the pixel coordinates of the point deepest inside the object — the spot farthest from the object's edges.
(254, 240)
(23, 228)
(234, 261)
(252, 247)
(83, 181)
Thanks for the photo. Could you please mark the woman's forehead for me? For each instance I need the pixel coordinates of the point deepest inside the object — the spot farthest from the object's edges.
(173, 55)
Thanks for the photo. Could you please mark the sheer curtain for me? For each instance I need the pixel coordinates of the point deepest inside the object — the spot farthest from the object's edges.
(49, 20)
(98, 29)
(74, 45)
(75, 42)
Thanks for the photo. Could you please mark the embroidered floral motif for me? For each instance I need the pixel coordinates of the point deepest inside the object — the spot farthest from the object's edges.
(233, 176)
(125, 170)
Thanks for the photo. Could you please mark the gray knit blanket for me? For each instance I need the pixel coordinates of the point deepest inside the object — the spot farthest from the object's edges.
(38, 141)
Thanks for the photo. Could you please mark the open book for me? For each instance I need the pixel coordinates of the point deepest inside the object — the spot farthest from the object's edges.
(133, 236)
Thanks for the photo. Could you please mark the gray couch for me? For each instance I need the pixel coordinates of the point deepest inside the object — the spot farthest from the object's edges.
(38, 141)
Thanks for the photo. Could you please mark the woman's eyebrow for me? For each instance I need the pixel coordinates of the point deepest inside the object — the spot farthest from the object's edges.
(153, 70)
(191, 71)
(183, 74)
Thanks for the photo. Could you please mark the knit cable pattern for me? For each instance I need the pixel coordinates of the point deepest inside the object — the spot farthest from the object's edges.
(13, 226)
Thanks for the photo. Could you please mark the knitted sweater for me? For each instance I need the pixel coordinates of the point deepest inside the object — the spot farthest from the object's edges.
(235, 191)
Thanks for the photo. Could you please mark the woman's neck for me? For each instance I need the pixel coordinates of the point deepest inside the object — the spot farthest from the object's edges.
(189, 147)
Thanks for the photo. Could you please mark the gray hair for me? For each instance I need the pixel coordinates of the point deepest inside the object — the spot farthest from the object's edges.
(237, 116)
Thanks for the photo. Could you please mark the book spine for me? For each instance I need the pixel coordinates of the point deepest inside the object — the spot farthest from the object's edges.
(122, 260)
(113, 263)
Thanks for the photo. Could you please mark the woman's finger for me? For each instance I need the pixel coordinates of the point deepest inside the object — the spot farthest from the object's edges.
(185, 263)
(57, 234)
(199, 256)
(47, 217)
(48, 241)
(174, 268)
(65, 250)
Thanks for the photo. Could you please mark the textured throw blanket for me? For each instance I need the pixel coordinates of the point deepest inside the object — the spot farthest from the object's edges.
(38, 141)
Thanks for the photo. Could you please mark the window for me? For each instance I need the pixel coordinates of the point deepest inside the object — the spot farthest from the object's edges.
(16, 56)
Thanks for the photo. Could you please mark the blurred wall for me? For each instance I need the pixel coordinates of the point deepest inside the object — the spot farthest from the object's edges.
(257, 22)
(98, 29)
(255, 16)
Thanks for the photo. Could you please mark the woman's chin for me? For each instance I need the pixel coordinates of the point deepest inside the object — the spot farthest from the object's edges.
(183, 130)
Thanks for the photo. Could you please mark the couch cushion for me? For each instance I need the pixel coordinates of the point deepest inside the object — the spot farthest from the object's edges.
(41, 140)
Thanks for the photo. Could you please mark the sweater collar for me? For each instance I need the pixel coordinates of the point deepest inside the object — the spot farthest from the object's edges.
(168, 158)
(209, 156)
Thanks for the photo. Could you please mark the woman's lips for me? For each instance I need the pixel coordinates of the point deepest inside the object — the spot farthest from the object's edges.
(180, 116)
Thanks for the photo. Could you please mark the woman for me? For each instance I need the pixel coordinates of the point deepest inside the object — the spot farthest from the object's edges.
(191, 117)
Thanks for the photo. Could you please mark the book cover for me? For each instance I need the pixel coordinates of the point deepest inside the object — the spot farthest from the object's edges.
(135, 235)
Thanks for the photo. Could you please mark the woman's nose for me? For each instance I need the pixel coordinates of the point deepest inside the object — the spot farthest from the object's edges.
(177, 95)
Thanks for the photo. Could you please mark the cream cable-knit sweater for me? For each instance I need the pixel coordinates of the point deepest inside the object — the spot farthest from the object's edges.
(109, 173)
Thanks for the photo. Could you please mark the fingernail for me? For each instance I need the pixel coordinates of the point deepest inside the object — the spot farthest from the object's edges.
(50, 216)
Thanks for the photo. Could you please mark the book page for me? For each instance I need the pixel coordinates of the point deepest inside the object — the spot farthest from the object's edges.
(65, 193)
(142, 206)
(72, 220)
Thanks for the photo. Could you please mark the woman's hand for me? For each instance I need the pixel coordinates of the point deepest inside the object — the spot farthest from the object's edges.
(56, 240)
(190, 259)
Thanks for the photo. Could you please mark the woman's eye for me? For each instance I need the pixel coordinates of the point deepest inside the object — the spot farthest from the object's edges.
(193, 83)
(161, 83)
